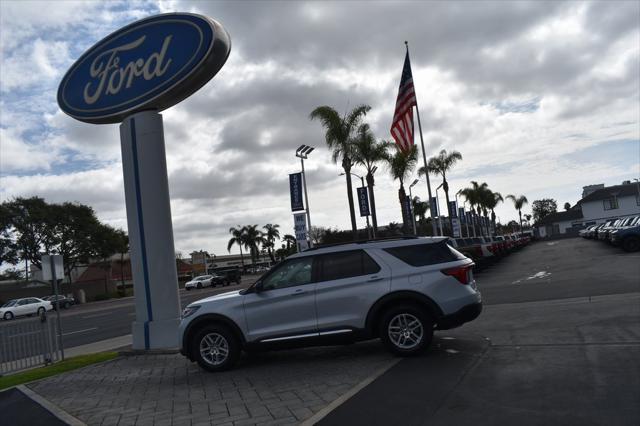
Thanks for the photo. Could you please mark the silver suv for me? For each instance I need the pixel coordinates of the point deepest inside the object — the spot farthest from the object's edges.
(398, 290)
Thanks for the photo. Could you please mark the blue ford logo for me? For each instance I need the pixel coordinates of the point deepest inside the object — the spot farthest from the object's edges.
(153, 63)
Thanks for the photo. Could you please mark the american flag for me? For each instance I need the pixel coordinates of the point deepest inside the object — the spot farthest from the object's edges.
(402, 125)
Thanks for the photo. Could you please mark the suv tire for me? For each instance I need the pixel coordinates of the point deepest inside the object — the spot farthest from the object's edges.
(8, 316)
(631, 243)
(199, 286)
(406, 330)
(215, 348)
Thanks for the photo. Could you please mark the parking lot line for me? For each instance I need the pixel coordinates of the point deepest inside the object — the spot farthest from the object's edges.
(345, 397)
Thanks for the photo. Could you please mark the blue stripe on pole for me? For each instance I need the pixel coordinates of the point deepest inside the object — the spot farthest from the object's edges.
(145, 267)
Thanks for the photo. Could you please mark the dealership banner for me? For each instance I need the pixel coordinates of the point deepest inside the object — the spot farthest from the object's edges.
(295, 188)
(363, 201)
(453, 209)
(434, 207)
(456, 227)
(462, 215)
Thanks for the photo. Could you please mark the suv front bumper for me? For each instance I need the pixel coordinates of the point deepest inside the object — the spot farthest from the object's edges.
(465, 314)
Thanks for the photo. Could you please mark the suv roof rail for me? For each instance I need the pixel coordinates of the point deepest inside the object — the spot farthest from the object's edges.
(365, 241)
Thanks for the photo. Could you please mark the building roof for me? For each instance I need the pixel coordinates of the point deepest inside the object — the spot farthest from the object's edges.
(556, 217)
(626, 190)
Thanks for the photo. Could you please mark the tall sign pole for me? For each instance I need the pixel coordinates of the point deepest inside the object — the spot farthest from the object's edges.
(302, 152)
(424, 157)
(128, 78)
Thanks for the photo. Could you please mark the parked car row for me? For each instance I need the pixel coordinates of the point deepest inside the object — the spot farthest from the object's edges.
(486, 250)
(623, 232)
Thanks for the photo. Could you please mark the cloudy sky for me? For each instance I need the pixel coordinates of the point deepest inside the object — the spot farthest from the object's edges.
(541, 98)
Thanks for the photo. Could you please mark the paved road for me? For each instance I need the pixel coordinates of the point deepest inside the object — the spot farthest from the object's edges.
(560, 269)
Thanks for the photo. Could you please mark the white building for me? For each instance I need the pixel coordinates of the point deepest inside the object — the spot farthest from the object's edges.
(597, 206)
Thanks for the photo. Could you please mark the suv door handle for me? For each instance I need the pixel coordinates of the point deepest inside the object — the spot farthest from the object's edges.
(298, 292)
(375, 278)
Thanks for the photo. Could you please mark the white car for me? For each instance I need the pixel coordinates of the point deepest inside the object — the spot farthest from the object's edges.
(27, 306)
(199, 282)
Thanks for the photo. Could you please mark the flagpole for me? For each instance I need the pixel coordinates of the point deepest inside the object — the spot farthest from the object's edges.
(424, 157)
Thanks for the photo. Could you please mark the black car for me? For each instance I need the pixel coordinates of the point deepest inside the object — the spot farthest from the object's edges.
(229, 275)
(64, 301)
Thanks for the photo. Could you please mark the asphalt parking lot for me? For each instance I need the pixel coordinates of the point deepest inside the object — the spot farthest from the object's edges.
(557, 343)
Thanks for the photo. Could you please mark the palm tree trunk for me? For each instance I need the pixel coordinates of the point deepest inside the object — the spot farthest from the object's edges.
(445, 186)
(372, 200)
(402, 196)
(520, 214)
(346, 164)
(241, 257)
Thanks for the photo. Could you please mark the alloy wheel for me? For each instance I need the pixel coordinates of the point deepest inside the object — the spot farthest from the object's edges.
(214, 348)
(405, 331)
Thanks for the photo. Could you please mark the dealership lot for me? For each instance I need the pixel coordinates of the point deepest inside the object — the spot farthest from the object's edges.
(558, 342)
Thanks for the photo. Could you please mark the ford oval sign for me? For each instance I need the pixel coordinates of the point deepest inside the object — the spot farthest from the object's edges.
(151, 64)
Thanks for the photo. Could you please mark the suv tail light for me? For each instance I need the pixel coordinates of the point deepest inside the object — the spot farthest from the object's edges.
(461, 273)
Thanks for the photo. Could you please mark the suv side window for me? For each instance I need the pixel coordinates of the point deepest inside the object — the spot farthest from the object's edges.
(290, 273)
(346, 264)
(425, 254)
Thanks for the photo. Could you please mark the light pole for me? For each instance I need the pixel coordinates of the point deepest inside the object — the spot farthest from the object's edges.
(464, 211)
(367, 216)
(638, 186)
(439, 215)
(302, 153)
(413, 216)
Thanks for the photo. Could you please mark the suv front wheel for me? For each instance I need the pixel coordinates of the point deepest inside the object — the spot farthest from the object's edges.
(215, 348)
(406, 330)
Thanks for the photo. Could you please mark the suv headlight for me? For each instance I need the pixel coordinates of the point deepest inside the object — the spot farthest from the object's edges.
(190, 310)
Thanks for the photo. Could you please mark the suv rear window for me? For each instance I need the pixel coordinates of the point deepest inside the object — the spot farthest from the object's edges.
(425, 254)
(346, 264)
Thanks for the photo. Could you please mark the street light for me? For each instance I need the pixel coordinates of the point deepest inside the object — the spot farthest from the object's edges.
(413, 216)
(362, 181)
(302, 153)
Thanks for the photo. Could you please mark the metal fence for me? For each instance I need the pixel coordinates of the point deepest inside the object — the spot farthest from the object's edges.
(26, 343)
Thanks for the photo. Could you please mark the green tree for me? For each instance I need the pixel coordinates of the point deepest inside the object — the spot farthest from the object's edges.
(367, 152)
(339, 134)
(567, 206)
(401, 164)
(290, 241)
(519, 202)
(69, 229)
(236, 238)
(440, 165)
(543, 208)
(272, 233)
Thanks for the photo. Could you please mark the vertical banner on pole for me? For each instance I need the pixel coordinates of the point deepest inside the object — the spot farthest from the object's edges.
(295, 189)
(300, 228)
(461, 215)
(434, 207)
(363, 201)
(453, 209)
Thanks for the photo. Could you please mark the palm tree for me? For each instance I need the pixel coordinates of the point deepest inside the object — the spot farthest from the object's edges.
(474, 195)
(491, 201)
(420, 209)
(252, 237)
(236, 238)
(440, 165)
(401, 164)
(289, 240)
(367, 152)
(518, 203)
(270, 237)
(339, 133)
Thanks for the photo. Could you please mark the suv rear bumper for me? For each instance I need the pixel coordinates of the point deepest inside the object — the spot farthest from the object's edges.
(456, 319)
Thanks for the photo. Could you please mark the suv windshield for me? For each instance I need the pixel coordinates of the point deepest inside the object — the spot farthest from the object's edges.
(9, 303)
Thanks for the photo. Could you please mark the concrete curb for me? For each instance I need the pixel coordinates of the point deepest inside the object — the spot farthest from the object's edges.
(50, 407)
(345, 397)
(134, 352)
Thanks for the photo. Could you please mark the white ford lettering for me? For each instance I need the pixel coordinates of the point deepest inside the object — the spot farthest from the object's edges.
(111, 76)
